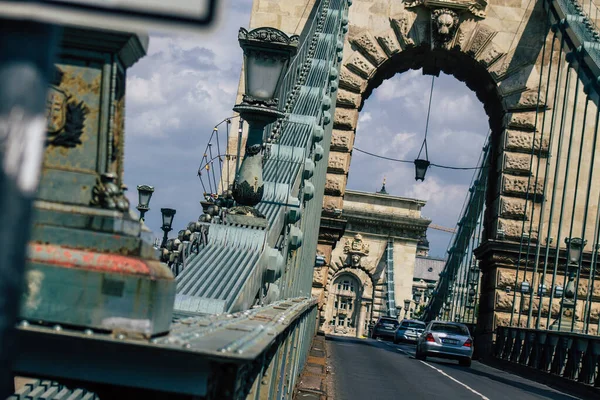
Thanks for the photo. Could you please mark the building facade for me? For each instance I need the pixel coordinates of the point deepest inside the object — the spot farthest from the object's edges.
(370, 271)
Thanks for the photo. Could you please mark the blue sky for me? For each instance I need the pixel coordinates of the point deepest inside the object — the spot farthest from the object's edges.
(187, 84)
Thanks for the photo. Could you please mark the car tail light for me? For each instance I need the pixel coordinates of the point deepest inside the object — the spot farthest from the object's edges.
(429, 338)
(468, 343)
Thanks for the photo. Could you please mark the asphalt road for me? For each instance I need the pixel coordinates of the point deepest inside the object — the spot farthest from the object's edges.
(369, 369)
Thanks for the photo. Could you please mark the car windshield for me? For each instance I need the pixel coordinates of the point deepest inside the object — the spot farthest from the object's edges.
(450, 328)
(388, 321)
(413, 324)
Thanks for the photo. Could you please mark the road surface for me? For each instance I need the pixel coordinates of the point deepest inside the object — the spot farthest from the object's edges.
(364, 369)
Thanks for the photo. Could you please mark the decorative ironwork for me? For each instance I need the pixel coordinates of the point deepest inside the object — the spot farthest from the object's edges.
(107, 194)
(65, 117)
(268, 35)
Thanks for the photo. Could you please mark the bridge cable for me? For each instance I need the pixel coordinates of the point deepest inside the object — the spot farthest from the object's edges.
(412, 161)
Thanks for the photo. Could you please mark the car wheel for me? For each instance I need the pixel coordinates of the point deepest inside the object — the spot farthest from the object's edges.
(465, 362)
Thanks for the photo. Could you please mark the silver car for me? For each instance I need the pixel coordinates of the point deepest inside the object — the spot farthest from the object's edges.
(446, 340)
(409, 330)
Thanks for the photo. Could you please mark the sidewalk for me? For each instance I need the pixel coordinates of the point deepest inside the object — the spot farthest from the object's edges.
(312, 384)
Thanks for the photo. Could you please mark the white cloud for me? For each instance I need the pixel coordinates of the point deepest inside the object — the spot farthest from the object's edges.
(365, 117)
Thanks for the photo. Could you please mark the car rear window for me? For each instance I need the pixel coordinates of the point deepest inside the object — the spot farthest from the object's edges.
(450, 328)
(388, 321)
(413, 324)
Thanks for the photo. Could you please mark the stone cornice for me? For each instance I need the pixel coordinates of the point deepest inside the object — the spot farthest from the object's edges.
(129, 46)
(389, 225)
(385, 197)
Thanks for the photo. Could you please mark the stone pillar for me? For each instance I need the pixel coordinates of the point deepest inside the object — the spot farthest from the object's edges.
(88, 251)
(361, 320)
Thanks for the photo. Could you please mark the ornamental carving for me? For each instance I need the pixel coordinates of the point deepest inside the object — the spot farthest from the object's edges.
(356, 249)
(268, 35)
(65, 116)
(475, 7)
(107, 194)
(445, 23)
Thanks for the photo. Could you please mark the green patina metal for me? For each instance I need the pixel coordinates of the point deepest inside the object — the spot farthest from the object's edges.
(91, 262)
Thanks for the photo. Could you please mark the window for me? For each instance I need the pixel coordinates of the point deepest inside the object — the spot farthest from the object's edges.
(339, 286)
(450, 328)
(341, 321)
(346, 285)
(413, 324)
(349, 306)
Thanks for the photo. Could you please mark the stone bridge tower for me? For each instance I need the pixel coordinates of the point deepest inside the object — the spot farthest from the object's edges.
(500, 50)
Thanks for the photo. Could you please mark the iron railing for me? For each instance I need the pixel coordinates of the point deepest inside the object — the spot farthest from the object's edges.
(243, 316)
(572, 356)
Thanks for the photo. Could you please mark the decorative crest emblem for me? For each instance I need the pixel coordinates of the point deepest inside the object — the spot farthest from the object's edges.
(65, 117)
(356, 249)
(56, 109)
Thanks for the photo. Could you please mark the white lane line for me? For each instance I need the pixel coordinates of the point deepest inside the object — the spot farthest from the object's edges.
(456, 380)
(447, 376)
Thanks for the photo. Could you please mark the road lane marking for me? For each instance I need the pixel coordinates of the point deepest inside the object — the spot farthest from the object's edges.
(446, 375)
(456, 380)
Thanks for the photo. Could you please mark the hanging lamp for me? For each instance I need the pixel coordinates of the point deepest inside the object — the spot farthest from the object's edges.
(421, 165)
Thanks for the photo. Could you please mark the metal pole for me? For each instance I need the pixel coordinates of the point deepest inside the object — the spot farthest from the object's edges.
(26, 57)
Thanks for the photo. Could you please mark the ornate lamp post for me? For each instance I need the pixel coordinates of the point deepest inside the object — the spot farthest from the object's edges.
(421, 169)
(417, 297)
(574, 248)
(267, 52)
(406, 307)
(167, 222)
(144, 194)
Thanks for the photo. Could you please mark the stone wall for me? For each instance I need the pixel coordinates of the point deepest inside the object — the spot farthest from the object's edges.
(502, 52)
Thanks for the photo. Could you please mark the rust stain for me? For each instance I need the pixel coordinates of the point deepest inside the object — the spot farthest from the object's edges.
(107, 263)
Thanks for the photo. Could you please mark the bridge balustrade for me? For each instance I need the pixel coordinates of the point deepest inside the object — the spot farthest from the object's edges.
(573, 356)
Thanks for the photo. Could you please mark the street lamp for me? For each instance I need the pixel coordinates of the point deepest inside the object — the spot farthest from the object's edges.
(421, 169)
(267, 52)
(473, 274)
(417, 297)
(144, 194)
(574, 248)
(167, 222)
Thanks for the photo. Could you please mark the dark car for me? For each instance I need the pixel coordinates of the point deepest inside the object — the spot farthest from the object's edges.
(409, 330)
(385, 328)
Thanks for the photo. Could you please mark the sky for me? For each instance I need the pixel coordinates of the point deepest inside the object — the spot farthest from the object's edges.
(188, 83)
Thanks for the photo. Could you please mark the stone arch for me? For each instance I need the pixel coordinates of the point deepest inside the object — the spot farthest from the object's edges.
(505, 79)
(363, 302)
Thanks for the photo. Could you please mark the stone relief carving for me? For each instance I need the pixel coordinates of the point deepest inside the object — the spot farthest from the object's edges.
(445, 23)
(65, 116)
(475, 7)
(356, 249)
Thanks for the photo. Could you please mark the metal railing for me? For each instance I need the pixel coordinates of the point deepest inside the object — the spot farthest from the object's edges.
(244, 318)
(254, 354)
(572, 356)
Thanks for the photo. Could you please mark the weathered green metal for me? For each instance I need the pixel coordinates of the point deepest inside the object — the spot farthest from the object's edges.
(27, 51)
(214, 356)
(91, 262)
(295, 164)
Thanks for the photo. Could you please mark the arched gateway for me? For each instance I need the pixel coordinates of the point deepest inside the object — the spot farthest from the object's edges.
(501, 50)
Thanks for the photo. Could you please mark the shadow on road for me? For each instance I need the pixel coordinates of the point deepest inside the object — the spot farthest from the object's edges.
(540, 391)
